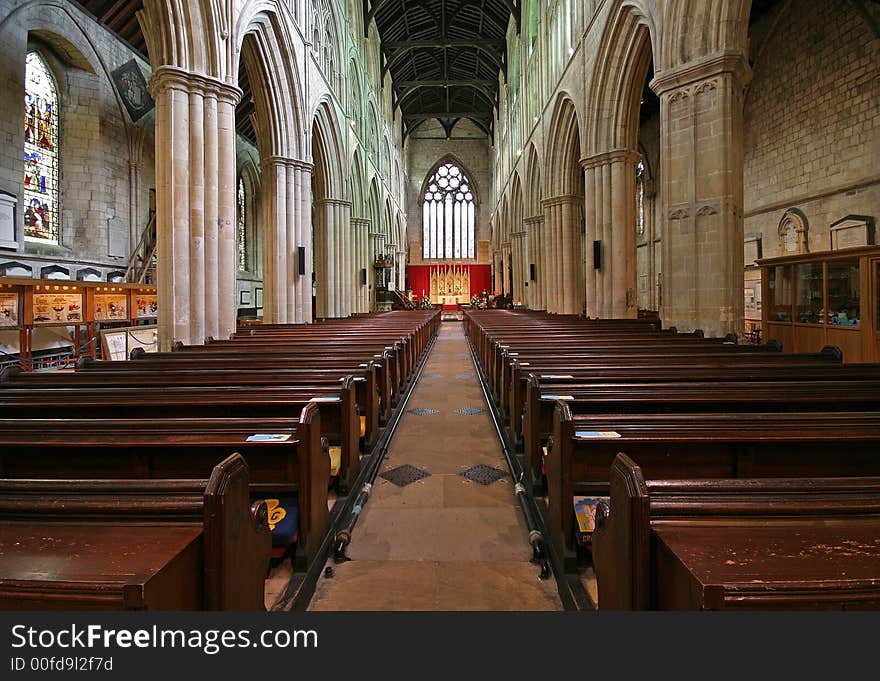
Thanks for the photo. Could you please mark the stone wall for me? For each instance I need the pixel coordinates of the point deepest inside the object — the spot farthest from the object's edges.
(101, 218)
(812, 120)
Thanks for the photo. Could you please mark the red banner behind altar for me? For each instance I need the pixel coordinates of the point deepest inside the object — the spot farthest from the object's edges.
(419, 278)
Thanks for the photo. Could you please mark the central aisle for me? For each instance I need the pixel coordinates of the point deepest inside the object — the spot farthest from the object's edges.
(431, 538)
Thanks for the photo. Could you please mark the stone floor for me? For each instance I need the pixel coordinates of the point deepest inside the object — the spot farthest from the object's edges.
(442, 542)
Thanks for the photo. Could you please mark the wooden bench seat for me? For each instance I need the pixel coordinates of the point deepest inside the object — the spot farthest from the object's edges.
(84, 544)
(146, 448)
(692, 445)
(339, 422)
(857, 394)
(737, 544)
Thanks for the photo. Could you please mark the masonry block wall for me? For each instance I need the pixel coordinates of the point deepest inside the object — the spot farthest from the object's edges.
(812, 120)
(101, 216)
(426, 146)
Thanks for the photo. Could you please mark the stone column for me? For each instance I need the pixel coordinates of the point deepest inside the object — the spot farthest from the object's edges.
(534, 227)
(518, 256)
(701, 196)
(286, 197)
(361, 292)
(611, 219)
(195, 205)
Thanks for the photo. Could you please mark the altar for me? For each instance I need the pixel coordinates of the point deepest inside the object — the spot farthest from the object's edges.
(451, 300)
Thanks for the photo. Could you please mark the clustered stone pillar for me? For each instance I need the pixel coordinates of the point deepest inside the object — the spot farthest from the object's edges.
(610, 179)
(401, 270)
(287, 207)
(564, 259)
(195, 205)
(518, 243)
(333, 257)
(535, 230)
(498, 272)
(362, 263)
(701, 119)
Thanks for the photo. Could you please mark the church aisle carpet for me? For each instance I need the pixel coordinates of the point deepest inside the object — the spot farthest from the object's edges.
(431, 538)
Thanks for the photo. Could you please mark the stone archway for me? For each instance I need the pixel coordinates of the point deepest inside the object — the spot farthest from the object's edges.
(563, 210)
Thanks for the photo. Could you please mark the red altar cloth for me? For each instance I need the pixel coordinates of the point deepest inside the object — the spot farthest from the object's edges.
(418, 277)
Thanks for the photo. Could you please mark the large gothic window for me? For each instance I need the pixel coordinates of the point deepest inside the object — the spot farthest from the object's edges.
(241, 223)
(40, 152)
(448, 214)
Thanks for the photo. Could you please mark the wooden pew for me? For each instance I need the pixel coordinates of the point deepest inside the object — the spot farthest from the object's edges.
(93, 376)
(146, 448)
(743, 544)
(708, 445)
(655, 368)
(339, 422)
(799, 393)
(84, 544)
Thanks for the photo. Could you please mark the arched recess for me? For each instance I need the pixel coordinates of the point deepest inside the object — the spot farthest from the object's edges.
(267, 53)
(500, 248)
(333, 261)
(563, 210)
(623, 64)
(534, 221)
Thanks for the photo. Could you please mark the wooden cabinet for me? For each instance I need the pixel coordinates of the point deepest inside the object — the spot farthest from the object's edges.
(828, 298)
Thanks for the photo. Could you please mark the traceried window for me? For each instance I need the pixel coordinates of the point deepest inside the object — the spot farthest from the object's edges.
(640, 198)
(448, 214)
(40, 152)
(241, 222)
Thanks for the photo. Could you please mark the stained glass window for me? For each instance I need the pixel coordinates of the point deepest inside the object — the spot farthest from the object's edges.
(448, 215)
(40, 152)
(241, 221)
(640, 198)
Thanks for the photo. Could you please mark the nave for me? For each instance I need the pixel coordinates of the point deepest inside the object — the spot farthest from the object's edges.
(442, 529)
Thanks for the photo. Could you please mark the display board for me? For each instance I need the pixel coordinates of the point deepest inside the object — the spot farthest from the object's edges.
(110, 307)
(10, 310)
(57, 308)
(147, 306)
(117, 344)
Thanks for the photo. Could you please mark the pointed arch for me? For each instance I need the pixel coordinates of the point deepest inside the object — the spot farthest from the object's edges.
(327, 153)
(269, 57)
(563, 170)
(533, 187)
(695, 28)
(622, 65)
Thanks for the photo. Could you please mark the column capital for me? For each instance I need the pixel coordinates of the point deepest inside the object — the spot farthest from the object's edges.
(561, 199)
(703, 69)
(175, 78)
(608, 157)
(534, 220)
(361, 222)
(333, 202)
(267, 161)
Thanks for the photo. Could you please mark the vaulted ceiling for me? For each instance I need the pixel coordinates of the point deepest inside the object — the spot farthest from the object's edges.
(444, 56)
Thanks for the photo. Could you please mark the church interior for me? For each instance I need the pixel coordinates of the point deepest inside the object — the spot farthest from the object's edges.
(433, 305)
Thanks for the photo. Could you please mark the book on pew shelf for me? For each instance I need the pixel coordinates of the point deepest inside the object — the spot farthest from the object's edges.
(556, 376)
(585, 514)
(557, 397)
(335, 460)
(597, 434)
(269, 437)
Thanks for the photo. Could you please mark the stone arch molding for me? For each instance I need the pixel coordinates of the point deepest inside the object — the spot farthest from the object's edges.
(270, 58)
(694, 29)
(793, 232)
(627, 46)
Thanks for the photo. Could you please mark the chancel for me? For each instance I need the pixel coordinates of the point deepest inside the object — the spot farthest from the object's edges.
(439, 305)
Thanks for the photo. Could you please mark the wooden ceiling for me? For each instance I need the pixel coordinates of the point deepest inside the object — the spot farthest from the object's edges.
(444, 56)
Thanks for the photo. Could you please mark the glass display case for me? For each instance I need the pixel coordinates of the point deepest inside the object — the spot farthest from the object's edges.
(828, 298)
